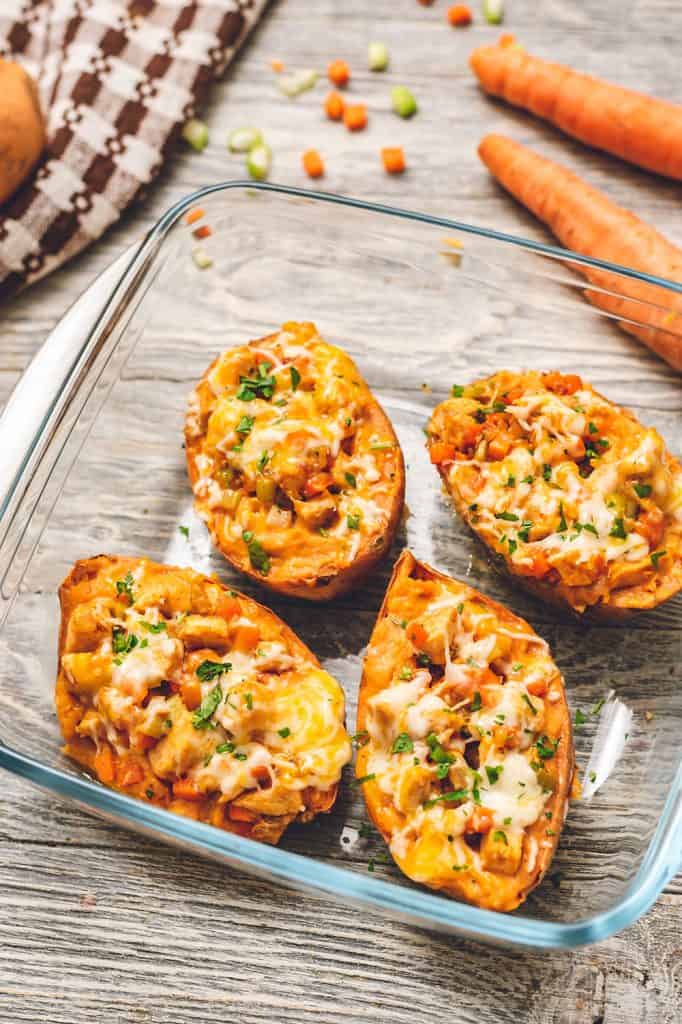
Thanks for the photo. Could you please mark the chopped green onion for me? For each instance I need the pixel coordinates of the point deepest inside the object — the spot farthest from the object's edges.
(402, 101)
(642, 490)
(201, 259)
(299, 81)
(195, 133)
(500, 837)
(259, 161)
(618, 529)
(402, 744)
(377, 56)
(241, 140)
(655, 557)
(457, 794)
(363, 779)
(580, 718)
(493, 11)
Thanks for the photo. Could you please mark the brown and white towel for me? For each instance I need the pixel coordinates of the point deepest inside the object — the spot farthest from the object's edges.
(117, 79)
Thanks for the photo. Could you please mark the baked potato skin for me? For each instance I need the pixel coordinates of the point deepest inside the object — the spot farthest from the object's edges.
(389, 647)
(192, 608)
(306, 562)
(650, 491)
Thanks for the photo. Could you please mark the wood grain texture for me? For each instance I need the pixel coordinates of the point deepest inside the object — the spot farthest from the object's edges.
(98, 925)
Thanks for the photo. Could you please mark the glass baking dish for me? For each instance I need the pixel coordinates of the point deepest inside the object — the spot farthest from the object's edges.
(91, 460)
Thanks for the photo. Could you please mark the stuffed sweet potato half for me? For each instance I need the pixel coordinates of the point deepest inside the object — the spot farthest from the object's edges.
(466, 758)
(173, 689)
(579, 500)
(295, 467)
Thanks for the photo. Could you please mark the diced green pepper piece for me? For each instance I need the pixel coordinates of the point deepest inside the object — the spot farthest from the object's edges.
(402, 101)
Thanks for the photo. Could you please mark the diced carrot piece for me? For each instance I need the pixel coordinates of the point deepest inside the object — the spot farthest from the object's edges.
(312, 163)
(441, 451)
(416, 634)
(499, 446)
(355, 117)
(651, 524)
(246, 637)
(537, 687)
(227, 606)
(128, 772)
(459, 15)
(194, 215)
(203, 232)
(277, 66)
(562, 383)
(334, 106)
(186, 789)
(338, 72)
(316, 484)
(393, 160)
(506, 39)
(105, 765)
(145, 743)
(480, 821)
(190, 691)
(538, 568)
(236, 813)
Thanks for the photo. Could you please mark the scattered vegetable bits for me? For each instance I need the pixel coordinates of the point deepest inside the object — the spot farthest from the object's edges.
(493, 11)
(377, 56)
(299, 81)
(241, 140)
(194, 215)
(195, 133)
(338, 73)
(355, 117)
(334, 106)
(403, 102)
(393, 159)
(459, 15)
(259, 161)
(202, 232)
(312, 164)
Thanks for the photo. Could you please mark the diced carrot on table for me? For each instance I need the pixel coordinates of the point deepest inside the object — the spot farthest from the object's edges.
(277, 66)
(393, 160)
(334, 106)
(312, 164)
(202, 232)
(355, 117)
(338, 72)
(459, 15)
(194, 215)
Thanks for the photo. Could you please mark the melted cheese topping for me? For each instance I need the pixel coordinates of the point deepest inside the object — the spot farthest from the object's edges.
(295, 468)
(202, 693)
(565, 486)
(459, 745)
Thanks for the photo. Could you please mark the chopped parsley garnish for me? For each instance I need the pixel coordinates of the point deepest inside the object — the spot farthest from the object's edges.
(528, 479)
(546, 747)
(562, 522)
(122, 643)
(642, 490)
(248, 700)
(511, 481)
(618, 529)
(363, 779)
(261, 386)
(406, 673)
(359, 739)
(225, 748)
(438, 753)
(593, 428)
(655, 556)
(124, 587)
(493, 772)
(476, 702)
(381, 446)
(457, 390)
(442, 771)
(529, 702)
(402, 744)
(295, 377)
(286, 731)
(580, 718)
(454, 795)
(512, 545)
(263, 461)
(209, 670)
(509, 517)
(353, 520)
(592, 776)
(398, 622)
(423, 659)
(481, 414)
(257, 555)
(500, 837)
(245, 425)
(524, 530)
(475, 791)
(201, 719)
(590, 527)
(149, 793)
(184, 530)
(323, 532)
(155, 627)
(350, 479)
(547, 472)
(550, 832)
(240, 757)
(461, 867)
(517, 666)
(598, 706)
(507, 821)
(460, 607)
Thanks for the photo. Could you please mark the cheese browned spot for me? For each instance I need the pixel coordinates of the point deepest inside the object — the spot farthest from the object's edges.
(469, 752)
(577, 497)
(173, 689)
(295, 467)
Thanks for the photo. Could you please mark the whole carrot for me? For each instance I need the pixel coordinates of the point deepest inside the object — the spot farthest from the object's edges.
(638, 128)
(589, 223)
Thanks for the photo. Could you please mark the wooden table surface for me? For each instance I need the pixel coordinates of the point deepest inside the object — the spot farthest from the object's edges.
(99, 925)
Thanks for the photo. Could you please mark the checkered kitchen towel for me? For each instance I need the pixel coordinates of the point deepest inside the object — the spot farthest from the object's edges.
(117, 79)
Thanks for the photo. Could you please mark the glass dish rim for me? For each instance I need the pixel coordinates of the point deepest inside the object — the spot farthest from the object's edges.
(659, 863)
